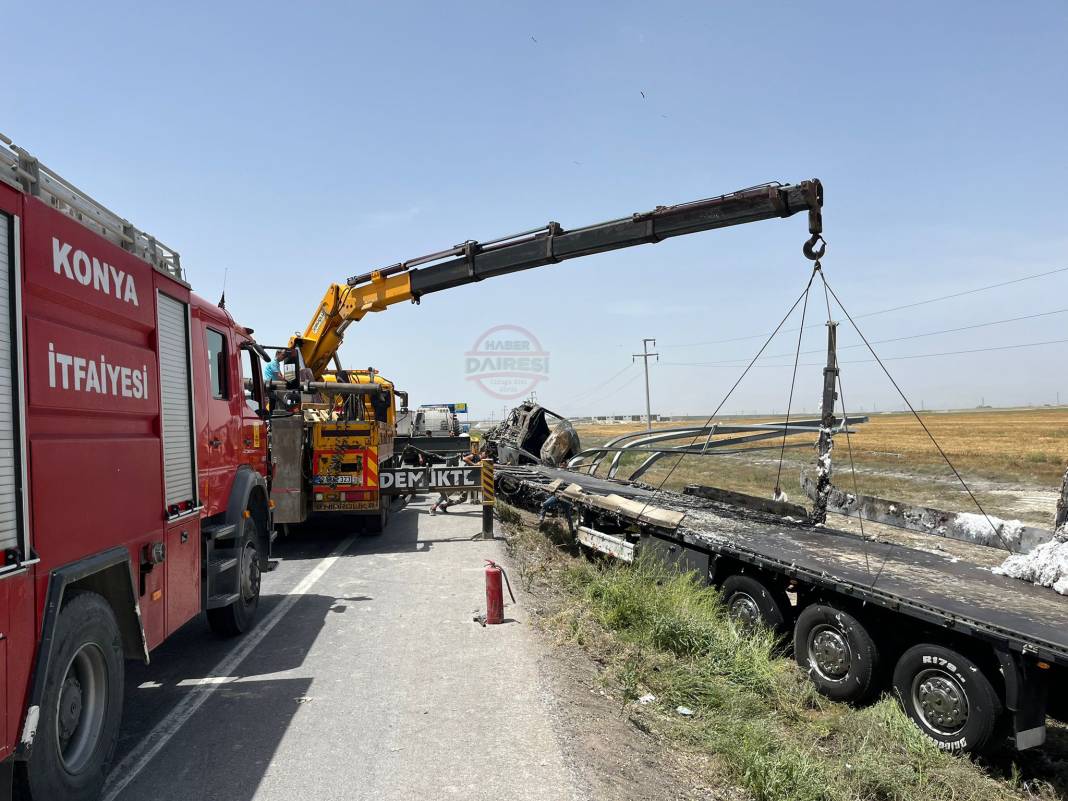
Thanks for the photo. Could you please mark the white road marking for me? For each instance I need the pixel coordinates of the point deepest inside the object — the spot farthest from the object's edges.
(206, 681)
(258, 677)
(137, 760)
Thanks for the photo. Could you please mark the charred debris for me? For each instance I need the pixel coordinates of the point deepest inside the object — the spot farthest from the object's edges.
(532, 435)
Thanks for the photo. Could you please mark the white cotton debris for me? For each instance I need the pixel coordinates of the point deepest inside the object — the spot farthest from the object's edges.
(1046, 565)
(685, 711)
(648, 698)
(977, 528)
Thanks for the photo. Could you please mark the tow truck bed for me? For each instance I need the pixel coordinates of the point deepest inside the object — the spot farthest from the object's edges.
(941, 589)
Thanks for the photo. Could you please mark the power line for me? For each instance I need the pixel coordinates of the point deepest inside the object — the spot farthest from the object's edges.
(887, 311)
(627, 383)
(604, 383)
(903, 338)
(892, 358)
(610, 379)
(570, 403)
(962, 352)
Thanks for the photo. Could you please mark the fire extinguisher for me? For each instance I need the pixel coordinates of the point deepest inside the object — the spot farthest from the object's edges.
(495, 592)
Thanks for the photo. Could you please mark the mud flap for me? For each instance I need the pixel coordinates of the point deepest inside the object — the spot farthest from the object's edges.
(1026, 689)
(679, 557)
(7, 773)
(246, 482)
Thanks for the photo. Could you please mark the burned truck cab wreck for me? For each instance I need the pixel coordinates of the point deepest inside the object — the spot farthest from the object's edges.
(531, 434)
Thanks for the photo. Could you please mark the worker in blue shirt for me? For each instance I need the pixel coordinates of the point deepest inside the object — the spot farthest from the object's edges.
(272, 371)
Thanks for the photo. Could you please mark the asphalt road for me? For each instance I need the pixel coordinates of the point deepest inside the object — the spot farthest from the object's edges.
(365, 678)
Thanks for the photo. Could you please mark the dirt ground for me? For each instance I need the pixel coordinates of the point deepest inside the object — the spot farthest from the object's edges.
(617, 756)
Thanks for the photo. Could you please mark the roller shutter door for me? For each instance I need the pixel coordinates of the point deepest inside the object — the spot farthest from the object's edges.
(9, 451)
(176, 400)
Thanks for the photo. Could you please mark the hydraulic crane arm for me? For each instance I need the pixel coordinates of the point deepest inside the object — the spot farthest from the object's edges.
(473, 261)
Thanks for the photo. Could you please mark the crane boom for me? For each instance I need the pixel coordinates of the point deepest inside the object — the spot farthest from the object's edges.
(474, 261)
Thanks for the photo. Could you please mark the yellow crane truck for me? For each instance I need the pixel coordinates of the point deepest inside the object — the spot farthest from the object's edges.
(328, 439)
(333, 430)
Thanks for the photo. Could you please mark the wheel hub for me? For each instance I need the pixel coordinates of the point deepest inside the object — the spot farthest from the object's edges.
(70, 708)
(941, 701)
(81, 708)
(250, 574)
(829, 651)
(743, 609)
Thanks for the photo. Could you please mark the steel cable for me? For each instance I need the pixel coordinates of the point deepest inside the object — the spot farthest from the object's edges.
(915, 414)
(893, 308)
(793, 382)
(711, 417)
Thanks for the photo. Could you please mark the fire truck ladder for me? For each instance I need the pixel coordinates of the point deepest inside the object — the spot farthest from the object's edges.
(23, 171)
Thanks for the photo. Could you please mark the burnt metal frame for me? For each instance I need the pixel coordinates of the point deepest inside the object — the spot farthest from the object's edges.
(639, 440)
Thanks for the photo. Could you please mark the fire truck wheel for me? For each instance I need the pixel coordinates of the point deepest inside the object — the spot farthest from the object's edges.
(948, 697)
(81, 707)
(238, 617)
(750, 602)
(839, 654)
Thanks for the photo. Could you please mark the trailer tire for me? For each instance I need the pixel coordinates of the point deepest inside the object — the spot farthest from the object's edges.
(948, 697)
(81, 708)
(750, 601)
(839, 654)
(238, 617)
(376, 524)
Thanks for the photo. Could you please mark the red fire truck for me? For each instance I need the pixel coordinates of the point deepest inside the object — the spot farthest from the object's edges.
(133, 472)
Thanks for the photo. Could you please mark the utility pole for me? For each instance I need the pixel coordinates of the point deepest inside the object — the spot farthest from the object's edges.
(644, 355)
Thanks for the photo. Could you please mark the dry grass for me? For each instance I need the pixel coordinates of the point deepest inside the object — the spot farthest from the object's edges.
(1012, 459)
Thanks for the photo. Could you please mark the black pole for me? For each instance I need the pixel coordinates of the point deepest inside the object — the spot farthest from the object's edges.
(487, 499)
(826, 441)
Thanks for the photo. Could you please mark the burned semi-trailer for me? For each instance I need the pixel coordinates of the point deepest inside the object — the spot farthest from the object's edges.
(972, 653)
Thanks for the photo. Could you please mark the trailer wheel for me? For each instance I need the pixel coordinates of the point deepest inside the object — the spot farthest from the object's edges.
(750, 602)
(948, 697)
(81, 707)
(507, 489)
(376, 524)
(840, 656)
(238, 617)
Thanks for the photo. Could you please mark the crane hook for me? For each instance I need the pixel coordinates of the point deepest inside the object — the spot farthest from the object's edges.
(810, 250)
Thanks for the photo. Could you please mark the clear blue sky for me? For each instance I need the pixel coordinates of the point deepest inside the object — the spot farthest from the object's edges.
(295, 144)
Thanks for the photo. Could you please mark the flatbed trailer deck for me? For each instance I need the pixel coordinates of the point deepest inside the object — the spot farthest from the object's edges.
(1021, 629)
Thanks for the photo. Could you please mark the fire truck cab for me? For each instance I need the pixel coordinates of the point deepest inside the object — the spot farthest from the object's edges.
(133, 473)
